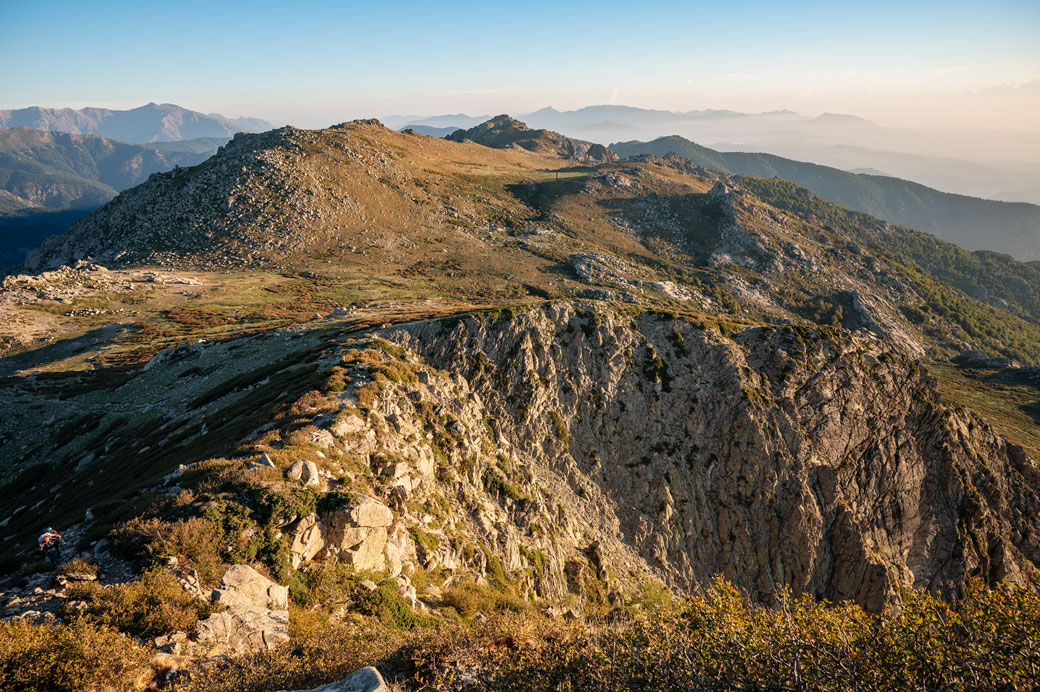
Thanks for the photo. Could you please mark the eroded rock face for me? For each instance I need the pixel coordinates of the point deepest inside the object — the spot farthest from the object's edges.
(774, 458)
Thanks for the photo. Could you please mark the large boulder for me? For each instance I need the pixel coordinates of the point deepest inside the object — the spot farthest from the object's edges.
(364, 680)
(241, 630)
(243, 585)
(307, 541)
(255, 615)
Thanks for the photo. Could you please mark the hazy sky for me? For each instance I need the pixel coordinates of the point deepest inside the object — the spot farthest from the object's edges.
(937, 64)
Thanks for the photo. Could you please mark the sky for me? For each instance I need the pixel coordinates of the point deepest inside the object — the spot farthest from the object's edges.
(902, 64)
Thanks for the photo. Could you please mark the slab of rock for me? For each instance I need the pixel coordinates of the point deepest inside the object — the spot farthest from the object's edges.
(369, 512)
(364, 680)
(357, 533)
(241, 630)
(307, 541)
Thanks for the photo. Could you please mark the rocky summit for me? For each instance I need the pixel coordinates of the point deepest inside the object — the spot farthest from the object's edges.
(331, 387)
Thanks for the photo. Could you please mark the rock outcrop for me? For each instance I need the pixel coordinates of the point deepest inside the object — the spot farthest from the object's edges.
(356, 533)
(503, 132)
(775, 457)
(255, 615)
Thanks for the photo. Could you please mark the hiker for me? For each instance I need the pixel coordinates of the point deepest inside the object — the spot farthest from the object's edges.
(50, 545)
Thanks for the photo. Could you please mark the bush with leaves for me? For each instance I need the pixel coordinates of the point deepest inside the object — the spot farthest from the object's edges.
(80, 656)
(154, 605)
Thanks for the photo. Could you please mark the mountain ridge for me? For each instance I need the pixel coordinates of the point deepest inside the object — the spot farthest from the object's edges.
(50, 178)
(152, 122)
(955, 218)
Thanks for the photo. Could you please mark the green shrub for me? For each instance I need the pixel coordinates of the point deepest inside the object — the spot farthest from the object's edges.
(196, 541)
(392, 610)
(79, 566)
(469, 598)
(148, 607)
(80, 656)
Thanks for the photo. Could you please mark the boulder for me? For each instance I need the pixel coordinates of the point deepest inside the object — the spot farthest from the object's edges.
(364, 680)
(307, 541)
(357, 533)
(368, 511)
(243, 585)
(347, 425)
(305, 472)
(241, 630)
(255, 615)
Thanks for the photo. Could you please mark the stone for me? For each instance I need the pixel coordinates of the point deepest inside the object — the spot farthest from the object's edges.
(347, 425)
(368, 554)
(240, 630)
(305, 472)
(242, 584)
(395, 470)
(307, 541)
(368, 511)
(255, 617)
(364, 680)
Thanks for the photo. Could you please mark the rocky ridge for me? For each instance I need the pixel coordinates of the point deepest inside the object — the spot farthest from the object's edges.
(580, 448)
(503, 132)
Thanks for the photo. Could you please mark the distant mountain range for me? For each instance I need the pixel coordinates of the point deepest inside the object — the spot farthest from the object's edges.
(995, 165)
(153, 122)
(50, 179)
(971, 222)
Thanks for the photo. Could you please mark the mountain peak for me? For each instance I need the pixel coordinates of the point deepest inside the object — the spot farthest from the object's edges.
(506, 132)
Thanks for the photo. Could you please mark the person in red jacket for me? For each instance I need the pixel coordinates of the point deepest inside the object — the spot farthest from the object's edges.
(50, 546)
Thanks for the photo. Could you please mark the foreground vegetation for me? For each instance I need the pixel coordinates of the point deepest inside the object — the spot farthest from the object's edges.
(719, 640)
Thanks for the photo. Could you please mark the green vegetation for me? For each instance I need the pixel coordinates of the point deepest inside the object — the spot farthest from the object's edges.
(719, 641)
(150, 606)
(989, 641)
(70, 658)
(937, 269)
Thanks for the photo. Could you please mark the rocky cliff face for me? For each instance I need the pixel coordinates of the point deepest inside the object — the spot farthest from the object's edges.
(771, 457)
(577, 448)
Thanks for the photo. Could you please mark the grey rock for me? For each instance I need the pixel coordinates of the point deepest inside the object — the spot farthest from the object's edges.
(364, 680)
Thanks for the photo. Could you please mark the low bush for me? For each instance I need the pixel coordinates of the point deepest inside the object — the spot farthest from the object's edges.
(79, 566)
(469, 598)
(392, 610)
(195, 541)
(81, 656)
(154, 605)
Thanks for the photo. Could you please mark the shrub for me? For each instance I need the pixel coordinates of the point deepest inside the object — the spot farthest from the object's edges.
(470, 598)
(149, 607)
(79, 656)
(196, 540)
(79, 566)
(392, 610)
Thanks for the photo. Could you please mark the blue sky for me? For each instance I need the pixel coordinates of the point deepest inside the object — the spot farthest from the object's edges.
(314, 63)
